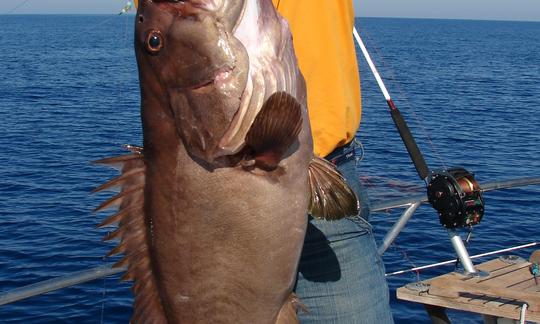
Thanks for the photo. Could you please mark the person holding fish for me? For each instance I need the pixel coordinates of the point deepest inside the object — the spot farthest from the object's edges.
(341, 277)
(213, 208)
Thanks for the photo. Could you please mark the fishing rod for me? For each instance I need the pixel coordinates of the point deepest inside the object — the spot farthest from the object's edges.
(454, 193)
(404, 131)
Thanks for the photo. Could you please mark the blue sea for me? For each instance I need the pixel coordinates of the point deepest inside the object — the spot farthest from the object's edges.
(470, 91)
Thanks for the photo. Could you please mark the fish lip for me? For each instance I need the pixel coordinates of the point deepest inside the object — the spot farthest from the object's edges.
(220, 75)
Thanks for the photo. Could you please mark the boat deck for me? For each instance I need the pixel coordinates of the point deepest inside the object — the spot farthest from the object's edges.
(502, 292)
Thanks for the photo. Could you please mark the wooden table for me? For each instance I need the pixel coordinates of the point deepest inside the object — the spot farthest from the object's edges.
(508, 285)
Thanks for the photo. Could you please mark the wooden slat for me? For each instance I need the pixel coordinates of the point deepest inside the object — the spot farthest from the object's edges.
(463, 304)
(449, 287)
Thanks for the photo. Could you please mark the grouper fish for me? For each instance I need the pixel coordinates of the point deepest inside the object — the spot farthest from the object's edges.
(212, 210)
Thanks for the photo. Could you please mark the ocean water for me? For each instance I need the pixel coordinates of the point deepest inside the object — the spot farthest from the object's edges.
(69, 95)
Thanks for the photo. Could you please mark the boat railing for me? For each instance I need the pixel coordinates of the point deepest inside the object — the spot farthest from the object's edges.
(410, 204)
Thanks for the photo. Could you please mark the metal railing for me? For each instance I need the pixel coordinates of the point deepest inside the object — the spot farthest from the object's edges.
(411, 203)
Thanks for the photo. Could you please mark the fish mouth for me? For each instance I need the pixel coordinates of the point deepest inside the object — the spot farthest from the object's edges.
(220, 77)
(203, 111)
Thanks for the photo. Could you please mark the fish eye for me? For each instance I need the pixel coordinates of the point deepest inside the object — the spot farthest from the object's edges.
(154, 42)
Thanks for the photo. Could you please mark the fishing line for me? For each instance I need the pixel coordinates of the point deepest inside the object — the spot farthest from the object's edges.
(68, 39)
(117, 84)
(123, 43)
(360, 157)
(103, 300)
(403, 96)
(121, 88)
(125, 31)
(405, 255)
(22, 3)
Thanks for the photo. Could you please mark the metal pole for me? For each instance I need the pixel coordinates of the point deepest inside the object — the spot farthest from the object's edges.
(454, 260)
(398, 227)
(437, 314)
(461, 251)
(58, 283)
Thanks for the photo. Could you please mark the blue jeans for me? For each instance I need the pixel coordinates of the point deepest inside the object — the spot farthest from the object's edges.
(341, 276)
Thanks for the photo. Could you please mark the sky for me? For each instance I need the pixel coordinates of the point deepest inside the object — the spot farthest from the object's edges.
(450, 9)
(528, 10)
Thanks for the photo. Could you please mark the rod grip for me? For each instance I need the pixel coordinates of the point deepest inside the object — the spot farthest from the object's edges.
(407, 137)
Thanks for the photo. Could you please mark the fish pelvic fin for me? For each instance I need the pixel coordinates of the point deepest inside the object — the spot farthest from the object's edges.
(274, 130)
(131, 234)
(287, 313)
(331, 197)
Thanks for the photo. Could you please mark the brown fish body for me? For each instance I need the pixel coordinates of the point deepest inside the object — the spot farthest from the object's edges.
(212, 211)
(224, 242)
(221, 258)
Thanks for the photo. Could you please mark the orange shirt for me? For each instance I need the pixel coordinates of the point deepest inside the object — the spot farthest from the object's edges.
(322, 33)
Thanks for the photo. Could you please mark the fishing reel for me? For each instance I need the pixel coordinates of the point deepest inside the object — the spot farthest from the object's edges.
(456, 195)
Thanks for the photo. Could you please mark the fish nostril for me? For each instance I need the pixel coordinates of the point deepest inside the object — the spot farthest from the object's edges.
(141, 19)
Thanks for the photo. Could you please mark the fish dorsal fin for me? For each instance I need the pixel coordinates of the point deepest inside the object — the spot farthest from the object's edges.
(331, 196)
(274, 130)
(132, 234)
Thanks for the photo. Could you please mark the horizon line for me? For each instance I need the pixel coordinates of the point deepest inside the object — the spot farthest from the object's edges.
(356, 17)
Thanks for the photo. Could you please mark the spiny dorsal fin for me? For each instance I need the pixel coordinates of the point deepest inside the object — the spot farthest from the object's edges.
(120, 180)
(275, 129)
(122, 161)
(132, 233)
(331, 196)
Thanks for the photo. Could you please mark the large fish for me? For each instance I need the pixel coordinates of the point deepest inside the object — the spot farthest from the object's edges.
(212, 210)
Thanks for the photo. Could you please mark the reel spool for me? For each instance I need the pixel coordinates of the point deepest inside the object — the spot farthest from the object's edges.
(456, 195)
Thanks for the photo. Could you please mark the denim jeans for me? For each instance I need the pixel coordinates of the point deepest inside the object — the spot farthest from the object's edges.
(341, 276)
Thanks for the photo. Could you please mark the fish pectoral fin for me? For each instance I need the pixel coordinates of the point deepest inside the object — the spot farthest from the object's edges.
(274, 130)
(331, 197)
